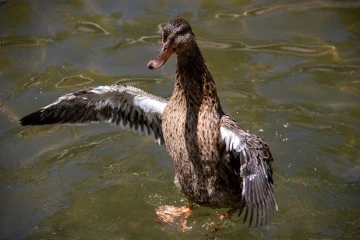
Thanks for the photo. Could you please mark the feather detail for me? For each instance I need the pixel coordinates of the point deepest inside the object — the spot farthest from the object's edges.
(253, 156)
(125, 106)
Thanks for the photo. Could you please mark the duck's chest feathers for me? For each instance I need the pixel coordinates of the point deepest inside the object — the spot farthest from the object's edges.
(191, 131)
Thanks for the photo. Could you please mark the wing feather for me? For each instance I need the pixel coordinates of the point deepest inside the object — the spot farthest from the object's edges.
(125, 106)
(253, 157)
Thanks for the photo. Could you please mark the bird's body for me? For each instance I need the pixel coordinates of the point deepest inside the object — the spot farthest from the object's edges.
(191, 128)
(191, 133)
(216, 163)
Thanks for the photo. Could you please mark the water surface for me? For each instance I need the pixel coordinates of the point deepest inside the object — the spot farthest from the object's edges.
(286, 71)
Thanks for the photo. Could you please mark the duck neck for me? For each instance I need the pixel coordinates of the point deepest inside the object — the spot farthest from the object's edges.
(193, 80)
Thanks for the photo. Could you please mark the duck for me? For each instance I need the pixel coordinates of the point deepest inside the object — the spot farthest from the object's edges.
(216, 163)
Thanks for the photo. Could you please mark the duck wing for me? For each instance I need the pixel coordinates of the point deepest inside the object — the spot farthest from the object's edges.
(126, 106)
(250, 159)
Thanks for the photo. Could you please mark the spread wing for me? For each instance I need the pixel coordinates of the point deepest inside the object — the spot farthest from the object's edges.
(126, 106)
(251, 159)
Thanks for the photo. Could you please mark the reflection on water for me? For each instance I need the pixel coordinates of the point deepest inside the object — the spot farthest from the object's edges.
(293, 7)
(286, 71)
(90, 27)
(286, 48)
(75, 80)
(129, 41)
(344, 69)
(17, 41)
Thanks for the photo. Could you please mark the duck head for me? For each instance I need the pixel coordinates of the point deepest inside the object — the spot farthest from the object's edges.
(177, 37)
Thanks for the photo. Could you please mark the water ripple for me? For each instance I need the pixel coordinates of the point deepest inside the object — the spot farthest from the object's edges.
(52, 73)
(23, 41)
(130, 41)
(291, 7)
(337, 68)
(91, 27)
(75, 80)
(138, 80)
(282, 47)
(85, 24)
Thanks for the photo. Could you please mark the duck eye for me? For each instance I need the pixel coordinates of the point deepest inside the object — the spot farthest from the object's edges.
(183, 31)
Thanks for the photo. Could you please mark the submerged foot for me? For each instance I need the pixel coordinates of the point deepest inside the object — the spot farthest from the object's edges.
(228, 214)
(217, 226)
(174, 216)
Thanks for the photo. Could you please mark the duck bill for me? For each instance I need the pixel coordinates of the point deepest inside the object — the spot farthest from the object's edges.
(161, 56)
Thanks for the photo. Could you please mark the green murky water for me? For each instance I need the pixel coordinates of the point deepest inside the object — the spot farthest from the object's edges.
(287, 71)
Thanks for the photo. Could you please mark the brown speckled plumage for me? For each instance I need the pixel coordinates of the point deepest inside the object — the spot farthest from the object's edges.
(216, 163)
(204, 171)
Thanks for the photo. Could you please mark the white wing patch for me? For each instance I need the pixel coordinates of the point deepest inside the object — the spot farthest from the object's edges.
(231, 139)
(149, 105)
(101, 89)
